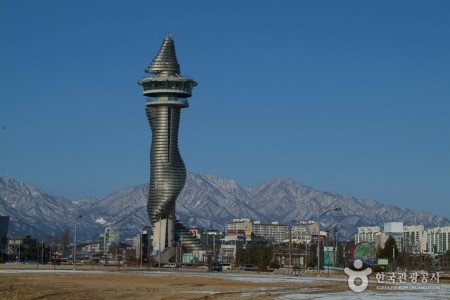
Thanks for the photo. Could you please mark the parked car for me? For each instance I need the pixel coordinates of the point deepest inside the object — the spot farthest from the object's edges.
(215, 267)
(226, 267)
(248, 268)
(170, 265)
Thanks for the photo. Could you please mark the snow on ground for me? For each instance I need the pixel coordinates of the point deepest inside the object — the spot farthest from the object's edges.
(443, 293)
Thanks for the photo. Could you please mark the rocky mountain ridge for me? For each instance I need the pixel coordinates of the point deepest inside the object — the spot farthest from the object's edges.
(206, 201)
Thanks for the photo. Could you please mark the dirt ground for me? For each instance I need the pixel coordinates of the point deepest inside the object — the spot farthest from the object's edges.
(89, 284)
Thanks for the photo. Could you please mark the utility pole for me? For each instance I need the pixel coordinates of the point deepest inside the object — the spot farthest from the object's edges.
(75, 246)
(42, 252)
(75, 242)
(335, 246)
(318, 236)
(393, 258)
(290, 250)
(140, 249)
(181, 251)
(318, 245)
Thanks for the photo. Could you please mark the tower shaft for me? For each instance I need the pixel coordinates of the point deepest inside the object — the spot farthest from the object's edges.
(167, 172)
(167, 93)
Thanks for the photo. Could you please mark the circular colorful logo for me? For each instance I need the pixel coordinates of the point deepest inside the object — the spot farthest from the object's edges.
(365, 252)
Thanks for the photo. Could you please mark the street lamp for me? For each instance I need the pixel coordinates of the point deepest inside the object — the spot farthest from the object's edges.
(214, 242)
(318, 236)
(180, 245)
(159, 244)
(179, 250)
(140, 248)
(75, 242)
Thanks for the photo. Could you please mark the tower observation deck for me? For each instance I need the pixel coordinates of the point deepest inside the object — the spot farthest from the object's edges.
(167, 92)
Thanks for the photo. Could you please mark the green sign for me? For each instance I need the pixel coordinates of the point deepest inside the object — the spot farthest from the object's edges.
(382, 262)
(329, 256)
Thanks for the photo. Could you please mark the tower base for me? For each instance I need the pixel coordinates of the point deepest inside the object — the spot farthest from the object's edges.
(163, 235)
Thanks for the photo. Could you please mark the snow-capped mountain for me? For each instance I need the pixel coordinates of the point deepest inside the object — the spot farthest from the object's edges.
(34, 212)
(206, 201)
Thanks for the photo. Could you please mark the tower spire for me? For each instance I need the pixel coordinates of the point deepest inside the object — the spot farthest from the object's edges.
(166, 59)
(167, 86)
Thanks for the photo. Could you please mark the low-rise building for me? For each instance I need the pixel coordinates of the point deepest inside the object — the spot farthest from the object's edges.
(240, 224)
(196, 232)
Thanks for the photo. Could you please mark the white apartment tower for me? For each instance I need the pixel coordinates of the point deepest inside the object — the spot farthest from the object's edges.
(414, 239)
(438, 240)
(272, 231)
(368, 234)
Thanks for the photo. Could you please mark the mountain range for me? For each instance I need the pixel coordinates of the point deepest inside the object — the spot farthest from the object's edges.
(206, 201)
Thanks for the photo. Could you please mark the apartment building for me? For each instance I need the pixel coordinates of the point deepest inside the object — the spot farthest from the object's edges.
(438, 240)
(368, 234)
(272, 231)
(302, 232)
(414, 239)
(110, 237)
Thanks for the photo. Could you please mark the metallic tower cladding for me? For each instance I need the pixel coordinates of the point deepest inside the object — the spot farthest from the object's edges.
(167, 93)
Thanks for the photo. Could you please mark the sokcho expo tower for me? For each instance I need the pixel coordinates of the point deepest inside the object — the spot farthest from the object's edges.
(167, 92)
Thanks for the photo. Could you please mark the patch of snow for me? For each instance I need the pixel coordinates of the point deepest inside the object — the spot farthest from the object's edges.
(202, 292)
(100, 221)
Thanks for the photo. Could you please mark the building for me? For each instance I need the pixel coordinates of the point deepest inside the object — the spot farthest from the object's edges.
(368, 234)
(234, 239)
(302, 232)
(414, 239)
(239, 225)
(273, 232)
(142, 243)
(237, 234)
(90, 249)
(438, 240)
(21, 248)
(167, 92)
(411, 239)
(395, 229)
(4, 224)
(195, 232)
(109, 238)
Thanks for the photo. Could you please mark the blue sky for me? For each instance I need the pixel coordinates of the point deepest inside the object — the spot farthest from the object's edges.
(350, 97)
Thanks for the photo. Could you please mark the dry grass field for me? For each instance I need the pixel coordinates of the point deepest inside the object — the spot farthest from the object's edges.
(88, 284)
(25, 282)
